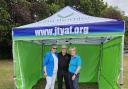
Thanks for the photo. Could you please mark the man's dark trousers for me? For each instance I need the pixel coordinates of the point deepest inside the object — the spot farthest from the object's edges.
(61, 75)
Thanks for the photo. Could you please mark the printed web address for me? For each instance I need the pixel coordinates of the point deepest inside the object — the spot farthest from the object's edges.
(61, 31)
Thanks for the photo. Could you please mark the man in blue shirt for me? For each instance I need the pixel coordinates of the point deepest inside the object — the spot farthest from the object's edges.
(50, 64)
(74, 68)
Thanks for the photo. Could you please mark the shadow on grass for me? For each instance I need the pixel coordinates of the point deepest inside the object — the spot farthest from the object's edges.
(41, 85)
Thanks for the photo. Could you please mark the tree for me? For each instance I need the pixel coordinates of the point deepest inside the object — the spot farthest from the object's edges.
(4, 21)
(39, 10)
(113, 13)
(126, 31)
(21, 12)
(125, 18)
(92, 7)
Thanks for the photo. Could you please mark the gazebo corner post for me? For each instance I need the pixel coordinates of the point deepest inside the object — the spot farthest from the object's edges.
(100, 60)
(14, 76)
(122, 64)
(14, 61)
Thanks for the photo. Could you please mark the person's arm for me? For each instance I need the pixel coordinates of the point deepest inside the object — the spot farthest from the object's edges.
(77, 69)
(45, 73)
(45, 61)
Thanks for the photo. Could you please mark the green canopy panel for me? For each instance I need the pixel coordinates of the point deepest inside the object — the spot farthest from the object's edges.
(110, 64)
(27, 63)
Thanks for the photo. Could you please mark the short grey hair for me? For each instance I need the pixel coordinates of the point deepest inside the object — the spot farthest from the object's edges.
(53, 45)
(63, 46)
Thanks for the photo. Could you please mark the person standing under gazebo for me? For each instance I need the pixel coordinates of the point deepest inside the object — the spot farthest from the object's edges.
(63, 65)
(74, 68)
(50, 64)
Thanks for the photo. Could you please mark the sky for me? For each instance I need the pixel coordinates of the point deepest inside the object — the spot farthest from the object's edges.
(121, 4)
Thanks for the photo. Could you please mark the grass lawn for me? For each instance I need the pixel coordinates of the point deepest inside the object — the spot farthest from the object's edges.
(6, 76)
(125, 86)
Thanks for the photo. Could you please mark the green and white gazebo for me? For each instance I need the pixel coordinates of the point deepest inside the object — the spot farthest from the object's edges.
(99, 42)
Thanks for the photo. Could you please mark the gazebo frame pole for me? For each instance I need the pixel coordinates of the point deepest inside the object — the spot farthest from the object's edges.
(121, 70)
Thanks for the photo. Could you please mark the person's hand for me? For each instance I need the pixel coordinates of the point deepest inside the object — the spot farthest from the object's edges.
(45, 74)
(73, 77)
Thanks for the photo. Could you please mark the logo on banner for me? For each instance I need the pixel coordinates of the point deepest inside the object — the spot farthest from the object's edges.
(61, 16)
(61, 31)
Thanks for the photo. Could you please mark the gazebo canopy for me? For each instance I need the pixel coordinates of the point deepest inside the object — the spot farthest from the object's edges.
(68, 23)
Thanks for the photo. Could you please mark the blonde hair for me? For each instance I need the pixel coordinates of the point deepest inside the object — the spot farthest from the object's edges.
(71, 48)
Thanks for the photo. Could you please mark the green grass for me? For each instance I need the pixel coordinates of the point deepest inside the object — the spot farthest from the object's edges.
(6, 77)
(41, 85)
(125, 86)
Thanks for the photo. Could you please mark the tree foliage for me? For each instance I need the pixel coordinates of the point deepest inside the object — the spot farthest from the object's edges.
(21, 12)
(5, 24)
(92, 7)
(39, 10)
(113, 13)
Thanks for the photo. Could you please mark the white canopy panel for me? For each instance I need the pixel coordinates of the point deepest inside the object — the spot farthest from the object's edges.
(66, 16)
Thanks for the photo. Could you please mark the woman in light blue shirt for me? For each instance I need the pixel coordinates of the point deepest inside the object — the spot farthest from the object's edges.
(74, 68)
